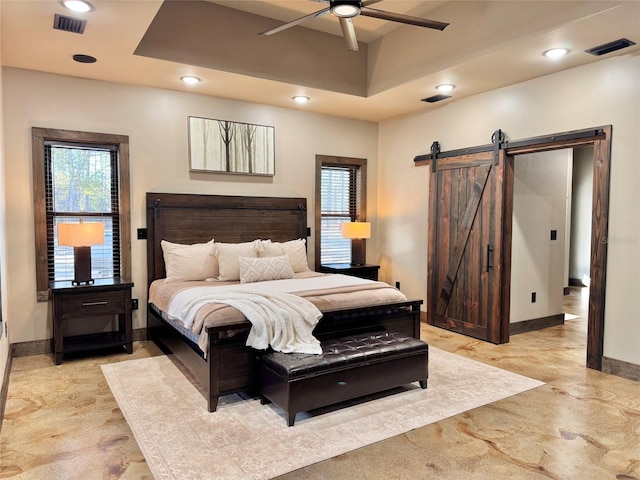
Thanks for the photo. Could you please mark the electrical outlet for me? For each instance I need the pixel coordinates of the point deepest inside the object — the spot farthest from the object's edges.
(134, 303)
(533, 297)
(554, 234)
(398, 285)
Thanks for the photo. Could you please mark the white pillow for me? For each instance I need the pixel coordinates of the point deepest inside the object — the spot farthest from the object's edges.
(266, 268)
(270, 249)
(228, 253)
(188, 262)
(297, 251)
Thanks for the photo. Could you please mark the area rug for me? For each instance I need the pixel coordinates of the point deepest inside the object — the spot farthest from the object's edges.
(245, 440)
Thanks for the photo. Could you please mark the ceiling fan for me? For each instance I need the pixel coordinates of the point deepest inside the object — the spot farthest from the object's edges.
(345, 10)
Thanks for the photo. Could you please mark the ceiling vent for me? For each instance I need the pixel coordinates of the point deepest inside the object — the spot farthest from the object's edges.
(435, 98)
(610, 47)
(68, 24)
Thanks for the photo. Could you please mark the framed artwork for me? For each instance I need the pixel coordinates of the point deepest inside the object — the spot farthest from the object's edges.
(222, 146)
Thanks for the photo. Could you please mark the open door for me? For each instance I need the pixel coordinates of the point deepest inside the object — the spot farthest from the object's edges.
(470, 223)
(466, 245)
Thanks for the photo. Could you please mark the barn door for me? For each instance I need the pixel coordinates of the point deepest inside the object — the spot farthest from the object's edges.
(466, 288)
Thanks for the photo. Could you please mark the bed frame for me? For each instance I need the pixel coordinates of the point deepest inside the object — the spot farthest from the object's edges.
(231, 366)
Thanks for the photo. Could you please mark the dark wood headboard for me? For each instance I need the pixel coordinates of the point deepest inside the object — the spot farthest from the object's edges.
(190, 218)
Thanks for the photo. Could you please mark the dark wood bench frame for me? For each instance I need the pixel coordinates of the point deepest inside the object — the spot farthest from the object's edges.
(334, 383)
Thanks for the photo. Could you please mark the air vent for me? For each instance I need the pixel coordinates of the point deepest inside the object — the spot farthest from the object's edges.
(68, 24)
(610, 47)
(435, 98)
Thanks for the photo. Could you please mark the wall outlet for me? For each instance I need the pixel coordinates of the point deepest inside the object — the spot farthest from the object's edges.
(533, 297)
(554, 234)
(398, 285)
(134, 303)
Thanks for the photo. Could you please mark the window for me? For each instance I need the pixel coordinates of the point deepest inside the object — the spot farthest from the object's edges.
(340, 197)
(80, 177)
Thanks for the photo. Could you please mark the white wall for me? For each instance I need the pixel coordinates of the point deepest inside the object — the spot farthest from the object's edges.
(156, 122)
(4, 341)
(606, 92)
(539, 206)
(582, 193)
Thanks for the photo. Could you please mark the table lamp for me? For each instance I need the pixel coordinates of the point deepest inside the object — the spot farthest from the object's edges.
(357, 232)
(81, 236)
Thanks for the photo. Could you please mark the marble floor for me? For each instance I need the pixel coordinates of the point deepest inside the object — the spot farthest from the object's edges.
(63, 423)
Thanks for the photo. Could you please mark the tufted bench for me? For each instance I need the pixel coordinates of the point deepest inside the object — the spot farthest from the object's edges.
(348, 367)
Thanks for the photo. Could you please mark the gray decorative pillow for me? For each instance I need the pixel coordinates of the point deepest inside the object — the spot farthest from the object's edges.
(265, 268)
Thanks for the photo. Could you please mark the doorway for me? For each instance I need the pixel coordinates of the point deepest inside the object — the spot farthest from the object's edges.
(551, 234)
(444, 270)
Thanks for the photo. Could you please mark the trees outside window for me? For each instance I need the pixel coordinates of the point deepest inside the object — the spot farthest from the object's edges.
(83, 187)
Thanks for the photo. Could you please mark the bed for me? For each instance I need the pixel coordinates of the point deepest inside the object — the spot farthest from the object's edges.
(226, 365)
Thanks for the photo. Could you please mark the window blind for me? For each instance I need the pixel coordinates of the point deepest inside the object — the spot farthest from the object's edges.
(340, 202)
(81, 184)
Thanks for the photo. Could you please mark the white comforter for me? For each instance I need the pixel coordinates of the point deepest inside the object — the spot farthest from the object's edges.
(279, 319)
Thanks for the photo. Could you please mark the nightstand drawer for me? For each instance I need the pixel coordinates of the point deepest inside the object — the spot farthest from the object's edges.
(89, 304)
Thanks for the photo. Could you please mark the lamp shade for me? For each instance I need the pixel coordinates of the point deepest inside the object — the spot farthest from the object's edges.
(356, 229)
(80, 234)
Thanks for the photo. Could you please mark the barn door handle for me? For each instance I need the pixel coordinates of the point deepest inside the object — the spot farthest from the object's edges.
(489, 258)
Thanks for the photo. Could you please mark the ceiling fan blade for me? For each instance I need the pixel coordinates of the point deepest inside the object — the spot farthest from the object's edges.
(295, 22)
(401, 18)
(349, 34)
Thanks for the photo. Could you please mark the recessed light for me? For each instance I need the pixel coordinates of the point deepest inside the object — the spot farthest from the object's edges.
(190, 80)
(301, 99)
(555, 52)
(445, 87)
(77, 6)
(81, 58)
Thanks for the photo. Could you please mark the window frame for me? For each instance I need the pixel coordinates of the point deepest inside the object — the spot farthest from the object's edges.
(41, 135)
(360, 164)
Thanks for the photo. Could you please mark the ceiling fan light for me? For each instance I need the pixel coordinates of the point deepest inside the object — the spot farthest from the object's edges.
(345, 9)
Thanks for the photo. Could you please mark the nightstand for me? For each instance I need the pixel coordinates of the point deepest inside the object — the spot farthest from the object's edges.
(106, 296)
(370, 272)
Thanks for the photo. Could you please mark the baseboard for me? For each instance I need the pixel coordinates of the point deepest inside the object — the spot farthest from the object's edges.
(423, 316)
(619, 368)
(35, 347)
(140, 334)
(43, 347)
(5, 386)
(536, 324)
